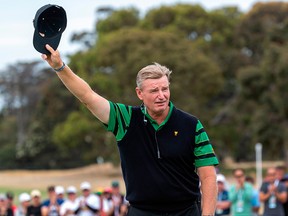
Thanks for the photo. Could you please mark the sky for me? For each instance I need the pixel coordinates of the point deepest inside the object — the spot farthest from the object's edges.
(17, 28)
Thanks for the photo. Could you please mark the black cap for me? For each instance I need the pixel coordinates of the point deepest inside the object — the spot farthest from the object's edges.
(50, 22)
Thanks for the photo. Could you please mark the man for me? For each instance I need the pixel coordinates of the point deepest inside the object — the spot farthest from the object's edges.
(119, 201)
(35, 208)
(241, 194)
(89, 203)
(10, 201)
(273, 194)
(255, 198)
(59, 190)
(282, 177)
(24, 202)
(51, 206)
(107, 205)
(70, 205)
(4, 208)
(223, 203)
(164, 151)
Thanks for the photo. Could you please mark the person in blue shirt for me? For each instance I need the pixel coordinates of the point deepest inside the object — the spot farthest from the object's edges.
(223, 203)
(51, 206)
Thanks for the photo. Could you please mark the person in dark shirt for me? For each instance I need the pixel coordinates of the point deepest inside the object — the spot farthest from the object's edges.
(10, 201)
(165, 152)
(5, 210)
(283, 177)
(35, 208)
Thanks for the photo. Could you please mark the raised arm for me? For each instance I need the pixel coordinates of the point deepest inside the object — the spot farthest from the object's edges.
(98, 105)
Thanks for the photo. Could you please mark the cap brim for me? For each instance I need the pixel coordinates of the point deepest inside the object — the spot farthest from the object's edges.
(40, 42)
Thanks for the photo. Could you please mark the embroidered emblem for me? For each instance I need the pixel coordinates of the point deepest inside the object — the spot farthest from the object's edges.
(175, 133)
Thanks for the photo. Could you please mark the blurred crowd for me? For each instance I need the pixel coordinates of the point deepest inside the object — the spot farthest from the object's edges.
(237, 197)
(66, 202)
(244, 198)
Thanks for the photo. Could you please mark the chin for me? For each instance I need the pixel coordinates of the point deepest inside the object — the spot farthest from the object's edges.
(161, 109)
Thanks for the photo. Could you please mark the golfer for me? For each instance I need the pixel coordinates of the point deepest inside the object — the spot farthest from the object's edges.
(166, 157)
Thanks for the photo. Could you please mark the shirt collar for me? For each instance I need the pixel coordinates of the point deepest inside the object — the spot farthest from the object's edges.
(153, 122)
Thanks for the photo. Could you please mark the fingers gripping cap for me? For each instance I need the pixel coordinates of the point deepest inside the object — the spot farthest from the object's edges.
(49, 23)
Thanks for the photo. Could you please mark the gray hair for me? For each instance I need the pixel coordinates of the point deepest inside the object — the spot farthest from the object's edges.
(154, 71)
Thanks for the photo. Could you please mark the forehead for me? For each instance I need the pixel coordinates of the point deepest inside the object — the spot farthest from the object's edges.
(238, 172)
(156, 83)
(271, 171)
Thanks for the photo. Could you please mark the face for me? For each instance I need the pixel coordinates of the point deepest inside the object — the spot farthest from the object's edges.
(271, 175)
(155, 94)
(239, 176)
(52, 194)
(36, 199)
(279, 173)
(3, 202)
(71, 196)
(26, 203)
(221, 186)
(86, 192)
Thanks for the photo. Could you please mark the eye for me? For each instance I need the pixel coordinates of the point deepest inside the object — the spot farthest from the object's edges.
(165, 89)
(154, 90)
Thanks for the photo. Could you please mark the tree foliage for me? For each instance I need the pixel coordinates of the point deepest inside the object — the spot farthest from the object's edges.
(229, 69)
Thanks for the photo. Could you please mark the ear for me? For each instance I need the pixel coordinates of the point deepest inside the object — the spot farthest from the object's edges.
(139, 93)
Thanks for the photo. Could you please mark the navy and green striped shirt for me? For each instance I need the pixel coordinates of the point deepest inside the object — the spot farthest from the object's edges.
(119, 121)
(159, 161)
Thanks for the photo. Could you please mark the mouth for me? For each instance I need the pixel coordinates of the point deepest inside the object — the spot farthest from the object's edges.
(161, 103)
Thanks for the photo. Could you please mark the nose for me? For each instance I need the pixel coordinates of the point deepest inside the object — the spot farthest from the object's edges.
(161, 94)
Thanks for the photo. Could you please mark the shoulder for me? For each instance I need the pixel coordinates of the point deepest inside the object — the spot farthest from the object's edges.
(93, 197)
(183, 117)
(183, 113)
(249, 186)
(46, 203)
(282, 186)
(119, 106)
(60, 201)
(232, 188)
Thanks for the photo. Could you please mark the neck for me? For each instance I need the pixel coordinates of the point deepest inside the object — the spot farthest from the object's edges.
(160, 117)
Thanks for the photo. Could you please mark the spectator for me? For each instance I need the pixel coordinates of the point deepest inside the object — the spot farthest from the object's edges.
(280, 175)
(60, 191)
(89, 204)
(51, 206)
(10, 201)
(285, 182)
(223, 203)
(273, 193)
(107, 206)
(117, 197)
(34, 209)
(240, 195)
(4, 208)
(255, 199)
(24, 199)
(70, 205)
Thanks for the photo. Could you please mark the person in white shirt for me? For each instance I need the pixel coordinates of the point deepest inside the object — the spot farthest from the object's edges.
(107, 202)
(24, 199)
(71, 204)
(89, 204)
